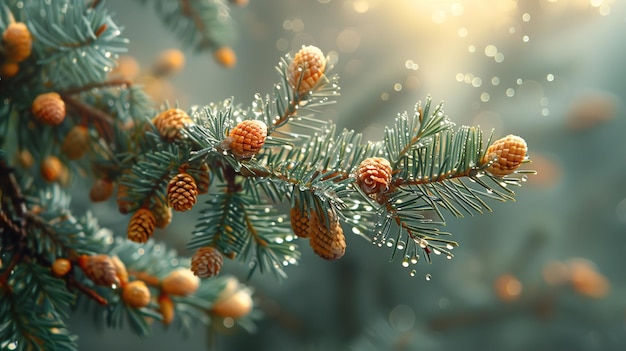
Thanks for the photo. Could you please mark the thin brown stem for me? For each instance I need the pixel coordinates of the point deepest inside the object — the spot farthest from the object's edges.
(87, 291)
(109, 83)
(102, 121)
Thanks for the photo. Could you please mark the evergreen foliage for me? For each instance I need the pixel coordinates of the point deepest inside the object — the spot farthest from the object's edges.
(305, 162)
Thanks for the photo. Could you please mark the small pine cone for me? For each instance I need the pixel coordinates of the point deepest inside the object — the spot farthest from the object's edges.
(49, 108)
(169, 62)
(162, 214)
(373, 175)
(17, 42)
(248, 138)
(182, 192)
(124, 205)
(101, 190)
(299, 222)
(233, 305)
(76, 142)
(203, 179)
(100, 269)
(225, 56)
(166, 307)
(180, 282)
(120, 270)
(206, 262)
(307, 68)
(170, 122)
(24, 158)
(141, 226)
(51, 168)
(136, 294)
(506, 155)
(9, 69)
(329, 244)
(60, 267)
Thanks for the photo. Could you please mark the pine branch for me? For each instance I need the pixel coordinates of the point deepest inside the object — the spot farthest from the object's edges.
(67, 32)
(200, 24)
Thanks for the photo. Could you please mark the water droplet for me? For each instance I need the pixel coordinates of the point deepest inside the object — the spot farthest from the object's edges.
(413, 273)
(428, 277)
(449, 257)
(405, 262)
(390, 242)
(449, 247)
(436, 252)
(524, 178)
(401, 245)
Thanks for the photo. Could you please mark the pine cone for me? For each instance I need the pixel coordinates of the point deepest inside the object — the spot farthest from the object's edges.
(373, 175)
(141, 226)
(76, 142)
(124, 205)
(120, 270)
(233, 305)
(328, 243)
(60, 267)
(51, 168)
(166, 307)
(101, 190)
(206, 262)
(17, 42)
(169, 62)
(170, 122)
(506, 155)
(100, 269)
(49, 108)
(299, 222)
(136, 294)
(162, 214)
(182, 192)
(225, 56)
(248, 138)
(307, 68)
(9, 69)
(203, 179)
(180, 282)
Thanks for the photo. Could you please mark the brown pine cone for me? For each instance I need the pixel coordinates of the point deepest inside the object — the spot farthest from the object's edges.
(299, 222)
(169, 62)
(170, 122)
(206, 262)
(101, 190)
(136, 294)
(307, 68)
(162, 214)
(225, 56)
(76, 142)
(49, 108)
(120, 270)
(52, 168)
(203, 179)
(124, 205)
(506, 155)
(327, 242)
(248, 138)
(180, 282)
(373, 175)
(141, 226)
(60, 267)
(17, 42)
(166, 307)
(182, 192)
(100, 269)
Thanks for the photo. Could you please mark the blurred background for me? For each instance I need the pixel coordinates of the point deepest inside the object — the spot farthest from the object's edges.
(543, 273)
